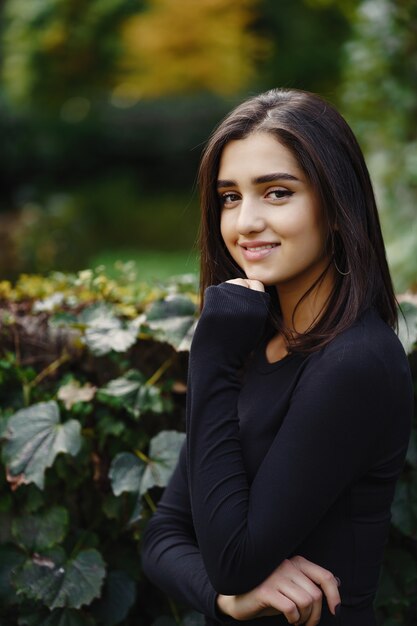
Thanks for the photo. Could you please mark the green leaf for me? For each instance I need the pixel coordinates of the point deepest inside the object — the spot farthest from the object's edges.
(119, 595)
(34, 437)
(10, 560)
(40, 532)
(171, 306)
(137, 511)
(135, 394)
(105, 332)
(60, 583)
(125, 473)
(164, 450)
(407, 328)
(173, 320)
(412, 449)
(59, 617)
(404, 506)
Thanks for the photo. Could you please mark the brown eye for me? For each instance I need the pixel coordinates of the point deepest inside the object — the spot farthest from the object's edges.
(228, 198)
(278, 194)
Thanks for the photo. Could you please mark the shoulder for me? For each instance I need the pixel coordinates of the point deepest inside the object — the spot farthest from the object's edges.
(368, 341)
(368, 354)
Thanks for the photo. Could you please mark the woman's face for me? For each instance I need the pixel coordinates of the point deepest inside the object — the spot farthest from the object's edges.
(271, 220)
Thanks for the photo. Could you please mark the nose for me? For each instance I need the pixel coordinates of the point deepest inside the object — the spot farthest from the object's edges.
(250, 218)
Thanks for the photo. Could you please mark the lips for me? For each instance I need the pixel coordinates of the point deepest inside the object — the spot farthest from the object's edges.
(257, 250)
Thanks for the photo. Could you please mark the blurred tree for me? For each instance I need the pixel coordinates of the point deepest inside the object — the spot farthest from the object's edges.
(379, 97)
(59, 52)
(188, 46)
(307, 36)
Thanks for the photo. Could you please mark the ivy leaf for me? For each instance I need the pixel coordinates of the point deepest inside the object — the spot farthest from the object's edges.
(105, 332)
(172, 320)
(40, 532)
(10, 560)
(119, 595)
(34, 437)
(137, 510)
(125, 473)
(58, 582)
(407, 328)
(164, 450)
(72, 392)
(135, 394)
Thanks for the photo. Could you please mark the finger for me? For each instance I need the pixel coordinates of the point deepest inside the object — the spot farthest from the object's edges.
(255, 285)
(280, 602)
(304, 601)
(321, 576)
(315, 595)
(243, 282)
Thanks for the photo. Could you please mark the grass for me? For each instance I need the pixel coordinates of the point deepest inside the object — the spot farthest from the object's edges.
(150, 264)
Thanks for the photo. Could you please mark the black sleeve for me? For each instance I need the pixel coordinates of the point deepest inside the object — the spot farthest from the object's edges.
(331, 431)
(170, 556)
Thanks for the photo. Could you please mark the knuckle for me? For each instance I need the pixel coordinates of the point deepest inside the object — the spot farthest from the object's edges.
(316, 594)
(328, 577)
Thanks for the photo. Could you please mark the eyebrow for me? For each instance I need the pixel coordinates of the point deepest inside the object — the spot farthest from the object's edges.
(266, 178)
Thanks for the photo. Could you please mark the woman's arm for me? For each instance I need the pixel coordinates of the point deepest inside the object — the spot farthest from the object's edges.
(330, 435)
(295, 589)
(172, 560)
(169, 552)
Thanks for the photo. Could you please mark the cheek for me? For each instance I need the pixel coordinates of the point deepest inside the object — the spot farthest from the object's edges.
(226, 228)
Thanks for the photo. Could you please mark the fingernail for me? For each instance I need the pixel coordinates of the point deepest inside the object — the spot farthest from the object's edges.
(339, 582)
(337, 609)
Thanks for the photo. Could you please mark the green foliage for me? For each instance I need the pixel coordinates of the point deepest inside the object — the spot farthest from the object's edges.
(90, 431)
(380, 101)
(92, 394)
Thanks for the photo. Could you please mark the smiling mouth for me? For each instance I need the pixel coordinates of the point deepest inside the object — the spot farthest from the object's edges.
(258, 248)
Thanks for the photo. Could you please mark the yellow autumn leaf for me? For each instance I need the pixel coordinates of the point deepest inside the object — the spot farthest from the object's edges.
(188, 46)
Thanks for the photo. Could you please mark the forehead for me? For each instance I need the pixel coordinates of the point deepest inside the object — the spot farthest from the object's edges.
(257, 154)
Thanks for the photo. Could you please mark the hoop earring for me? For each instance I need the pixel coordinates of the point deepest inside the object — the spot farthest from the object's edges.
(340, 272)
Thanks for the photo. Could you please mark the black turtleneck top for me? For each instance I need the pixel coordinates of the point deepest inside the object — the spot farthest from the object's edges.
(300, 456)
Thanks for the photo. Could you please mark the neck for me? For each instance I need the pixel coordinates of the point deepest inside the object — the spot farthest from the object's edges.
(299, 315)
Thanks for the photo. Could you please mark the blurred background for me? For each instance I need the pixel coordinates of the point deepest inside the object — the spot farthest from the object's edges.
(105, 106)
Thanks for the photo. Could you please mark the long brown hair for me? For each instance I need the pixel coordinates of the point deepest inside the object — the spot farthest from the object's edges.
(329, 155)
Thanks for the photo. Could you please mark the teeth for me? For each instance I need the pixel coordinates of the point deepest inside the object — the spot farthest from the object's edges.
(266, 247)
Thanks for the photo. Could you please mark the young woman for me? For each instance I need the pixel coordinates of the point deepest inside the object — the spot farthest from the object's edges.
(299, 396)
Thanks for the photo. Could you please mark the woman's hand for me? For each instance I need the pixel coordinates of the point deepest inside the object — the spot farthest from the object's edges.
(294, 589)
(256, 285)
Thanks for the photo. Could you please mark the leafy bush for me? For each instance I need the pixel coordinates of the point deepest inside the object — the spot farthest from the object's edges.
(92, 377)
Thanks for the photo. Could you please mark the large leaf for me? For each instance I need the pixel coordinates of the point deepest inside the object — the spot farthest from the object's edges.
(40, 532)
(407, 328)
(125, 473)
(172, 320)
(164, 450)
(119, 595)
(135, 394)
(58, 582)
(34, 437)
(10, 560)
(105, 332)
